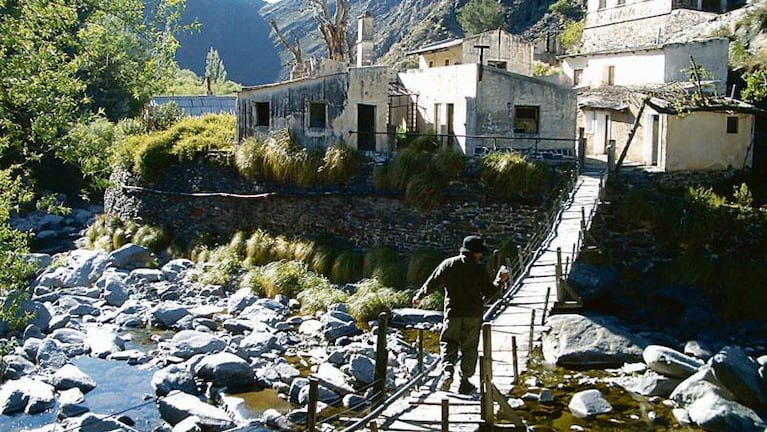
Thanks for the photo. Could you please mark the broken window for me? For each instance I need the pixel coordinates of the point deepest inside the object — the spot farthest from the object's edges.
(318, 117)
(497, 63)
(621, 2)
(732, 125)
(526, 119)
(262, 114)
(608, 75)
(577, 77)
(602, 4)
(447, 62)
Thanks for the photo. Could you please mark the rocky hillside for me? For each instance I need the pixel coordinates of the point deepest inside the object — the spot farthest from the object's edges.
(251, 53)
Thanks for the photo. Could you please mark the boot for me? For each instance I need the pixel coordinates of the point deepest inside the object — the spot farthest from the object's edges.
(466, 388)
(445, 381)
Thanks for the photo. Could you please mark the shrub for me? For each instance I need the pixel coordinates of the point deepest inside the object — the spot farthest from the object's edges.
(434, 301)
(742, 196)
(450, 162)
(372, 298)
(285, 277)
(340, 164)
(406, 165)
(218, 266)
(258, 248)
(347, 267)
(253, 279)
(161, 117)
(511, 177)
(384, 264)
(149, 154)
(424, 191)
(320, 297)
(571, 35)
(153, 237)
(322, 259)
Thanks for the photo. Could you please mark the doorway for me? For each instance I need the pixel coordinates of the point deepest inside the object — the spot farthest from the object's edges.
(366, 127)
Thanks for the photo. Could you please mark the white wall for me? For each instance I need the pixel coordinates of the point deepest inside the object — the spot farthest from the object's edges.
(711, 55)
(631, 10)
(444, 85)
(632, 68)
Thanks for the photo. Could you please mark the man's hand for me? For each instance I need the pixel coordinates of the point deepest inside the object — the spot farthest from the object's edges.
(417, 300)
(503, 275)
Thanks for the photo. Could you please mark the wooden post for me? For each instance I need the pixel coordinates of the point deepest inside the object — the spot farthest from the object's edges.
(382, 358)
(583, 218)
(532, 333)
(496, 259)
(611, 155)
(545, 306)
(311, 408)
(558, 277)
(520, 258)
(445, 415)
(486, 392)
(581, 148)
(373, 426)
(420, 350)
(515, 359)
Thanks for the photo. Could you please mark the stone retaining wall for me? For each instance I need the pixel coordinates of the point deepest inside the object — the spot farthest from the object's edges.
(358, 214)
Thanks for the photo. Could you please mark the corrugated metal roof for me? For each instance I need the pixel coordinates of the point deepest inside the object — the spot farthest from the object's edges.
(196, 106)
(436, 46)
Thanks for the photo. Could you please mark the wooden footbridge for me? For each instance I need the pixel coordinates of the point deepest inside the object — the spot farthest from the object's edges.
(512, 326)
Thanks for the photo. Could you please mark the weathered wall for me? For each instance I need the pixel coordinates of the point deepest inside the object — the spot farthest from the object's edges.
(700, 140)
(516, 52)
(710, 54)
(362, 218)
(500, 91)
(452, 56)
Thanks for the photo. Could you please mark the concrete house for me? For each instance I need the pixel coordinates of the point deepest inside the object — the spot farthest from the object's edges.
(638, 95)
(477, 92)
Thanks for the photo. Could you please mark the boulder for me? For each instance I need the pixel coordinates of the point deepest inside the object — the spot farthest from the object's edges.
(25, 395)
(714, 413)
(670, 362)
(310, 327)
(174, 377)
(102, 342)
(362, 368)
(696, 350)
(580, 341)
(15, 366)
(70, 376)
(33, 331)
(258, 342)
(591, 280)
(739, 373)
(86, 267)
(168, 313)
(187, 343)
(334, 379)
(143, 276)
(41, 317)
(40, 396)
(225, 370)
(177, 406)
(417, 318)
(650, 383)
(90, 422)
(295, 389)
(131, 256)
(275, 419)
(334, 328)
(114, 290)
(50, 355)
(175, 269)
(240, 300)
(69, 336)
(589, 403)
(355, 403)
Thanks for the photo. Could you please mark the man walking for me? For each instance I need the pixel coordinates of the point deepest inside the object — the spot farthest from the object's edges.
(466, 285)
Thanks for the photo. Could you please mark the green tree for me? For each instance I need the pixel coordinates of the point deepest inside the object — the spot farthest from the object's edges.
(481, 15)
(214, 67)
(572, 35)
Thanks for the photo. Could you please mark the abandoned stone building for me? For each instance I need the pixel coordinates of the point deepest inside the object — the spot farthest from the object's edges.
(636, 91)
(475, 92)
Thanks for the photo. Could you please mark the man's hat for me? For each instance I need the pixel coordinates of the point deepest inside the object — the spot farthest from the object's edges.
(473, 244)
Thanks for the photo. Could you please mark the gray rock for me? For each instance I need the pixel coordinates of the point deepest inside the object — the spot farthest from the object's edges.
(310, 327)
(260, 312)
(174, 377)
(592, 280)
(177, 406)
(167, 313)
(225, 370)
(258, 342)
(187, 343)
(83, 309)
(67, 410)
(697, 386)
(362, 368)
(696, 350)
(86, 267)
(71, 396)
(334, 328)
(176, 269)
(334, 379)
(59, 322)
(295, 389)
(143, 276)
(41, 396)
(132, 356)
(650, 383)
(102, 342)
(286, 372)
(50, 355)
(30, 348)
(39, 261)
(589, 403)
(324, 395)
(69, 336)
(33, 331)
(355, 403)
(579, 341)
(15, 366)
(670, 362)
(131, 256)
(189, 424)
(417, 318)
(90, 422)
(70, 376)
(41, 317)
(25, 395)
(115, 291)
(240, 300)
(716, 414)
(277, 420)
(736, 371)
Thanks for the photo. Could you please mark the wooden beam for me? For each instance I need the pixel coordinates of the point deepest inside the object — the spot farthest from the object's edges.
(633, 132)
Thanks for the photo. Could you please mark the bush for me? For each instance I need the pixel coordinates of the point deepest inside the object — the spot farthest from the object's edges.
(424, 191)
(450, 162)
(511, 177)
(347, 267)
(161, 117)
(253, 279)
(320, 297)
(420, 266)
(258, 248)
(148, 155)
(384, 264)
(153, 237)
(218, 266)
(340, 164)
(572, 35)
(287, 278)
(372, 298)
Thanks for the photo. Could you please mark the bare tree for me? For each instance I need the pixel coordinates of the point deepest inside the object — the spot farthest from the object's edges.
(294, 48)
(333, 28)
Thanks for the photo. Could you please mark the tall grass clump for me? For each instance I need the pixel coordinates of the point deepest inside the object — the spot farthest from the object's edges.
(218, 266)
(149, 154)
(153, 237)
(110, 233)
(513, 178)
(289, 278)
(258, 248)
(340, 164)
(347, 267)
(372, 298)
(320, 297)
(384, 264)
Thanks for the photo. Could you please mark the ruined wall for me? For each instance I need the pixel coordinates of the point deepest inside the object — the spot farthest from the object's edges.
(363, 218)
(513, 50)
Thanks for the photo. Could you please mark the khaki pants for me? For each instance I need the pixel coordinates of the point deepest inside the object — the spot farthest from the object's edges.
(460, 334)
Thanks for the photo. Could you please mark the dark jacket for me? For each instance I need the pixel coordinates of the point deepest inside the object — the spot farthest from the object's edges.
(466, 284)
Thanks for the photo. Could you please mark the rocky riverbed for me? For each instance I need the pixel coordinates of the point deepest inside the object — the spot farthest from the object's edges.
(218, 360)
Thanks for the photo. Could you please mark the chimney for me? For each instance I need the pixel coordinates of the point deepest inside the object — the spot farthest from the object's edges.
(365, 40)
